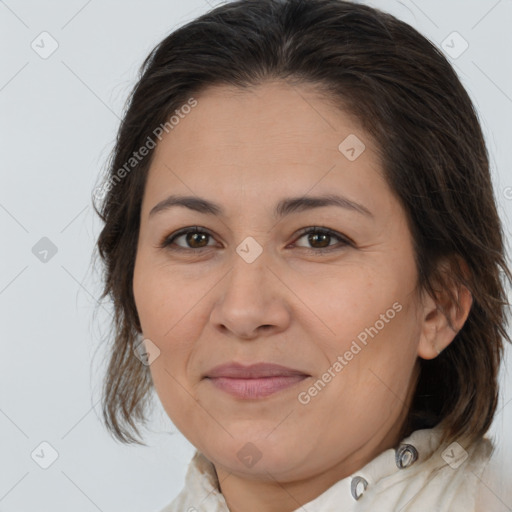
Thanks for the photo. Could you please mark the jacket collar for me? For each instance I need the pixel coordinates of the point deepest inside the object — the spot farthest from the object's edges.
(202, 485)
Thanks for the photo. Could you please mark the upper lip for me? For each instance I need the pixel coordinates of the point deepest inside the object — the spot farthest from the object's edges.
(253, 371)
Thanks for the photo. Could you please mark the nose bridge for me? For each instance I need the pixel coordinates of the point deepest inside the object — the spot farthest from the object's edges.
(250, 295)
(250, 266)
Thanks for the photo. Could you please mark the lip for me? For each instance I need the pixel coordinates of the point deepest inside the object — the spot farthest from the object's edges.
(254, 381)
(253, 371)
(251, 389)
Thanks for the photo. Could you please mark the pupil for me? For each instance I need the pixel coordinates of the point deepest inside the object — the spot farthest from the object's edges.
(191, 239)
(325, 239)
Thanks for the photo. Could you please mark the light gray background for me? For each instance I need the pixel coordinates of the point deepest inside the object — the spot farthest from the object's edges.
(58, 121)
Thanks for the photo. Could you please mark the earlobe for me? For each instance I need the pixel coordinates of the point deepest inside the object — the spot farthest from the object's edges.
(442, 320)
(434, 321)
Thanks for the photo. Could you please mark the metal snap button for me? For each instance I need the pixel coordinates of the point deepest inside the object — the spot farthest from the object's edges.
(358, 486)
(405, 456)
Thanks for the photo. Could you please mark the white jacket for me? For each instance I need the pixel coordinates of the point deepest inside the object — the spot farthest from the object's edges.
(420, 476)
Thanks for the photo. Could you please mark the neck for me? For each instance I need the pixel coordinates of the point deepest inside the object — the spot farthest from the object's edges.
(267, 494)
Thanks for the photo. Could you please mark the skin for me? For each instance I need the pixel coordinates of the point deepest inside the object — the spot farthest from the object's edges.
(246, 150)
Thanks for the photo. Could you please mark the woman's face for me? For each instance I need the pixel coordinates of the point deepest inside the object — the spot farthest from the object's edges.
(337, 308)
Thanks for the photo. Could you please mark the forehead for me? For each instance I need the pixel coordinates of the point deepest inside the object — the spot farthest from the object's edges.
(272, 138)
(273, 112)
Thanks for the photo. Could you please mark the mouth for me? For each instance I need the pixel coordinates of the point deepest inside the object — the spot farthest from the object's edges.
(255, 388)
(255, 381)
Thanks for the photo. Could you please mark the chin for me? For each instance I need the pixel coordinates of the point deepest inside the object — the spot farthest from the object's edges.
(258, 455)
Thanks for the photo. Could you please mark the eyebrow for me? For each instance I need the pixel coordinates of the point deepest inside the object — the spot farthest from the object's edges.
(283, 208)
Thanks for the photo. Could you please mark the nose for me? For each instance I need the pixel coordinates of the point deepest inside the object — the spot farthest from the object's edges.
(252, 300)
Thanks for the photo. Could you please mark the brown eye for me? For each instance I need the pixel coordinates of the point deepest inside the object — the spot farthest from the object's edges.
(193, 238)
(320, 239)
(196, 240)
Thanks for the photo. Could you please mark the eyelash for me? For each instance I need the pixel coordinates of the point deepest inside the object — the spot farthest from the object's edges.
(168, 240)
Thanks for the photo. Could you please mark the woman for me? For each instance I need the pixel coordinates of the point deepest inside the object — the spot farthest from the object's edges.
(303, 249)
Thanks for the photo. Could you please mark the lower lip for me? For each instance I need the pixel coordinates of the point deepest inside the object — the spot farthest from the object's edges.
(255, 388)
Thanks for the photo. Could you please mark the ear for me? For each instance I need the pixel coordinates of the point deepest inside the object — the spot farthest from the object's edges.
(444, 315)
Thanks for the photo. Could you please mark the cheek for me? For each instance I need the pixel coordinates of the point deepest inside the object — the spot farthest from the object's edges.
(348, 302)
(166, 311)
(162, 298)
(380, 353)
(369, 318)
(172, 317)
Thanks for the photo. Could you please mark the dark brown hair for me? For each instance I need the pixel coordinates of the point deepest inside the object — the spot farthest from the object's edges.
(409, 100)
